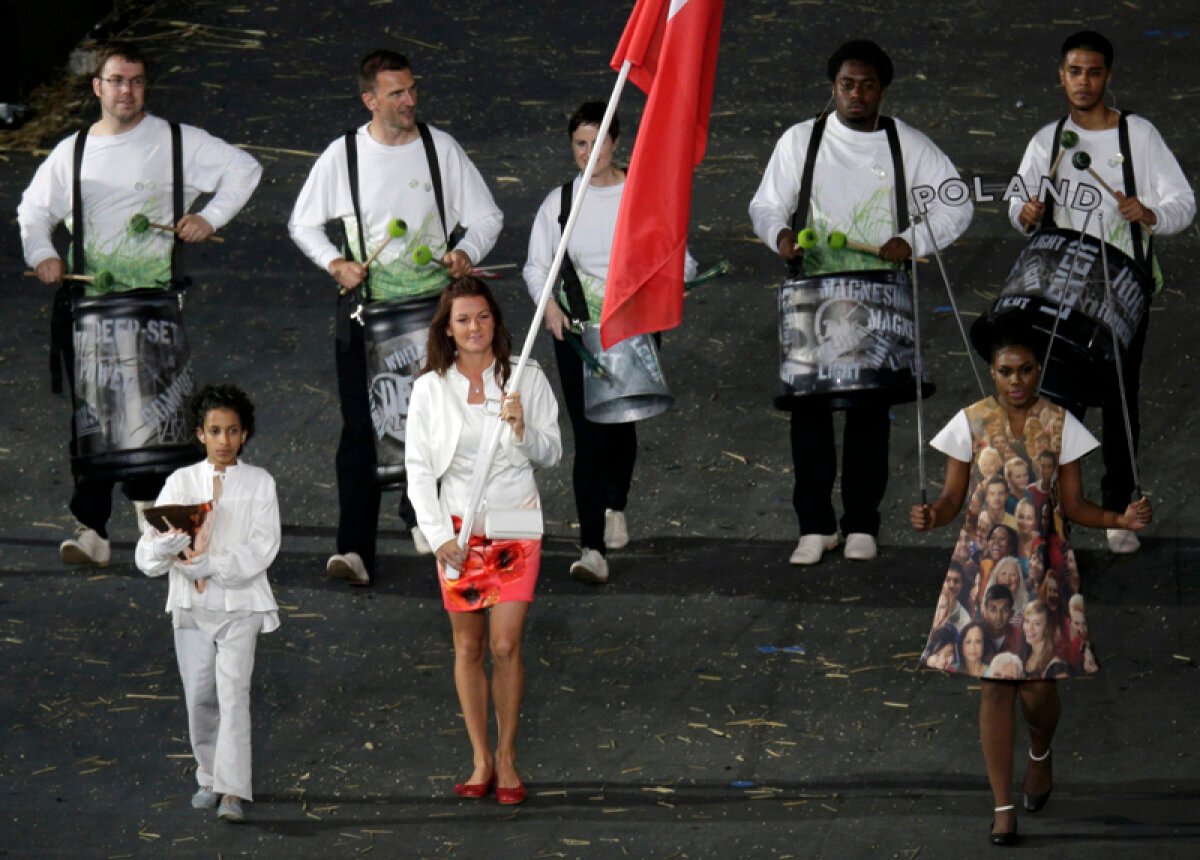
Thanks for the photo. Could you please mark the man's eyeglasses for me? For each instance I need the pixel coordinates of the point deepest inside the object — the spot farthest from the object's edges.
(119, 83)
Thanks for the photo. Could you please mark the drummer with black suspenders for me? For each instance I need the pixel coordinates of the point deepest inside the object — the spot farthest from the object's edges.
(400, 189)
(124, 186)
(848, 174)
(1154, 199)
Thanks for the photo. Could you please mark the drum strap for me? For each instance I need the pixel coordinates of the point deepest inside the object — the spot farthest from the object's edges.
(800, 217)
(352, 173)
(435, 173)
(1048, 204)
(62, 342)
(1144, 257)
(77, 253)
(571, 283)
(176, 198)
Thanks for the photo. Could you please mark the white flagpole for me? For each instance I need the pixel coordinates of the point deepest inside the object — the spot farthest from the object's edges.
(483, 462)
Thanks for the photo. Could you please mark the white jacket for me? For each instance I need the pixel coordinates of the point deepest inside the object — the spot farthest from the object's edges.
(245, 538)
(435, 422)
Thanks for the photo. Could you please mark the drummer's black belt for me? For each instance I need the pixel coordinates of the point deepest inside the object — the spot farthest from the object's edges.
(900, 186)
(348, 304)
(577, 305)
(62, 345)
(1144, 257)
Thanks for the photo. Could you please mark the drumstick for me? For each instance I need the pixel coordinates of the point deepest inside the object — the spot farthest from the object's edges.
(1067, 140)
(139, 223)
(593, 363)
(396, 228)
(422, 256)
(101, 281)
(720, 269)
(1083, 161)
(839, 240)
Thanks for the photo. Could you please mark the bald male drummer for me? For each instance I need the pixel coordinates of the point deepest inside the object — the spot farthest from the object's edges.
(1130, 156)
(851, 158)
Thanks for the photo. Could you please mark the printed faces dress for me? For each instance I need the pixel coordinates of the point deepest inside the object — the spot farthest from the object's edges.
(1010, 606)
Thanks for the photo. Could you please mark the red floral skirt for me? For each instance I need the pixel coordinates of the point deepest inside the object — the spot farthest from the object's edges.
(496, 571)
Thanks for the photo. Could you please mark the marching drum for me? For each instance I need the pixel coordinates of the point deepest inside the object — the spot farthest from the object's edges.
(133, 377)
(635, 387)
(1055, 269)
(848, 339)
(395, 336)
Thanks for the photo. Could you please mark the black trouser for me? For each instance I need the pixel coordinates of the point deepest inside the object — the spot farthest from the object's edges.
(359, 492)
(604, 455)
(1117, 485)
(91, 503)
(864, 468)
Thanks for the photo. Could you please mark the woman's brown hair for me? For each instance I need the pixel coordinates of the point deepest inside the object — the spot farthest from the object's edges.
(440, 350)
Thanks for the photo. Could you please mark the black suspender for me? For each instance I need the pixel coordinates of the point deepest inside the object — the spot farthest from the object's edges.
(77, 258)
(1142, 256)
(1048, 205)
(435, 173)
(572, 286)
(888, 125)
(176, 195)
(352, 171)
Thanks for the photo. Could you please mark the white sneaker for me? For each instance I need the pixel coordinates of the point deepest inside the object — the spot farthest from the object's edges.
(592, 567)
(811, 548)
(139, 508)
(205, 798)
(616, 530)
(1122, 541)
(349, 567)
(420, 543)
(87, 547)
(231, 809)
(860, 546)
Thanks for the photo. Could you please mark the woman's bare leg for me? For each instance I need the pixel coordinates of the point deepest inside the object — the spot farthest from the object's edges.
(470, 630)
(997, 727)
(508, 683)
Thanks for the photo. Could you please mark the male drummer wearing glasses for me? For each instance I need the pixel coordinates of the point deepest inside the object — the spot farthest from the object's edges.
(1130, 155)
(851, 188)
(127, 171)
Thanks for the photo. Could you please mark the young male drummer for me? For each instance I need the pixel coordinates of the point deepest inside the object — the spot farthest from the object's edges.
(395, 159)
(1153, 191)
(852, 190)
(126, 170)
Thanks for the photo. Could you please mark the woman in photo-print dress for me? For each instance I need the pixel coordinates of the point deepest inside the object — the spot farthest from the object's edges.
(1022, 651)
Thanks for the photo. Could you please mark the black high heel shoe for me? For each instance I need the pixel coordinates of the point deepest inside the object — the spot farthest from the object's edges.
(1033, 804)
(1008, 837)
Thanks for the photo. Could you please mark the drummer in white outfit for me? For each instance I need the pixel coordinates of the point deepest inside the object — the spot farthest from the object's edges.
(1164, 200)
(853, 191)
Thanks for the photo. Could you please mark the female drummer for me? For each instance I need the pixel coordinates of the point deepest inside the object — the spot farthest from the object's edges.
(604, 453)
(1015, 371)
(464, 385)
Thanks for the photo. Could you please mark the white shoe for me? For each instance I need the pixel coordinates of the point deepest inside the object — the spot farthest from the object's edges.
(205, 798)
(419, 541)
(1122, 541)
(860, 547)
(811, 548)
(231, 810)
(349, 567)
(87, 547)
(592, 567)
(139, 508)
(616, 530)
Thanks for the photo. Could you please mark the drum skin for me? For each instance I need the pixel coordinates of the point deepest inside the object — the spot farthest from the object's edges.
(132, 380)
(395, 336)
(847, 339)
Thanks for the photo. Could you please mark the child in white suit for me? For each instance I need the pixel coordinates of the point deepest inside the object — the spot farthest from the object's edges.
(219, 597)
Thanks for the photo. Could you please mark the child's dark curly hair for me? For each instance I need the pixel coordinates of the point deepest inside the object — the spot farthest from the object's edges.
(231, 397)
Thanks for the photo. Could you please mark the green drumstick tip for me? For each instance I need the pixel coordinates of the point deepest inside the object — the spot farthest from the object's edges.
(1069, 139)
(1081, 160)
(806, 238)
(139, 223)
(422, 256)
(103, 281)
(837, 240)
(397, 228)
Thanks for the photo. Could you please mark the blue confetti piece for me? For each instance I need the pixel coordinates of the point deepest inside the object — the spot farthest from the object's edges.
(767, 649)
(1154, 34)
(1181, 34)
(741, 783)
(795, 649)
(943, 309)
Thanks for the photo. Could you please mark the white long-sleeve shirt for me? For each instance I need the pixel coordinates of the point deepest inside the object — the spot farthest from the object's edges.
(442, 442)
(245, 540)
(130, 174)
(853, 193)
(1161, 183)
(590, 248)
(395, 183)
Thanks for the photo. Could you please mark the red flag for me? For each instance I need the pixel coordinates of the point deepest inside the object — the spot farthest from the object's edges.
(671, 46)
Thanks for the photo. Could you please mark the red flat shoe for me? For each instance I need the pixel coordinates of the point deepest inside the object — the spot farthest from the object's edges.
(475, 789)
(510, 796)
